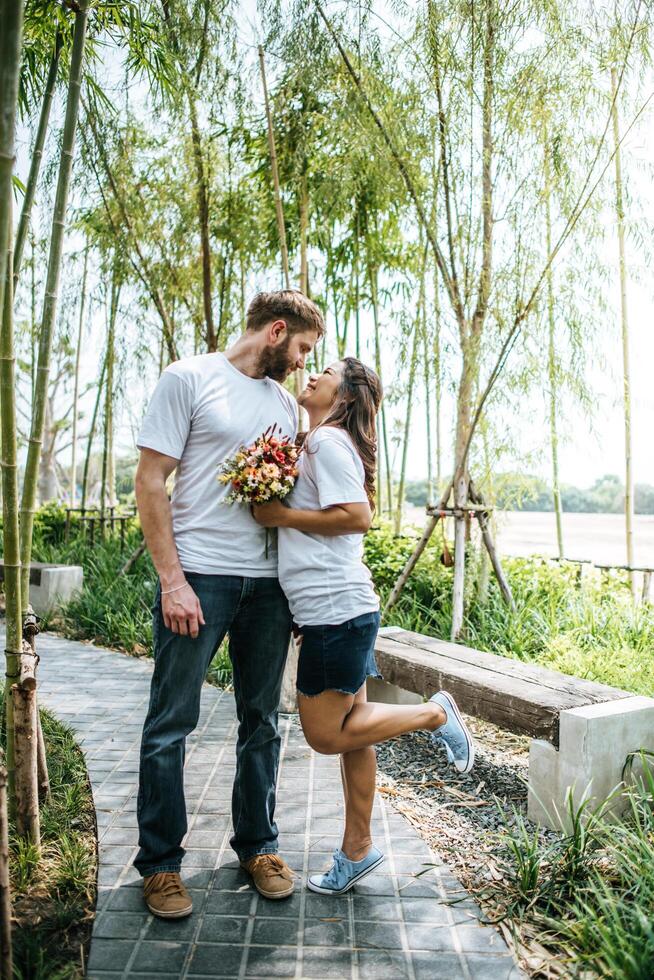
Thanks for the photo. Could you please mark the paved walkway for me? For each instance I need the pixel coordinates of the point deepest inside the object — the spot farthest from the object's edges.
(394, 925)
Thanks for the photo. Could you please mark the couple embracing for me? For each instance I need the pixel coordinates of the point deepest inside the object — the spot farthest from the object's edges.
(218, 577)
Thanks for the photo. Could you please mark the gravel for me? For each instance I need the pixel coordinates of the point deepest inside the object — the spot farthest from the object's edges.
(464, 819)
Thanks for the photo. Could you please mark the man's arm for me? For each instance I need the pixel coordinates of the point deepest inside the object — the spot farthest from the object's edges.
(180, 606)
(339, 519)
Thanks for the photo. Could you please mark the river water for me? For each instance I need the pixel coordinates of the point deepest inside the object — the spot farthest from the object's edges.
(599, 538)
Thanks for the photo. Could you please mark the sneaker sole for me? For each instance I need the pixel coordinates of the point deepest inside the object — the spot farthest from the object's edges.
(274, 895)
(470, 743)
(177, 914)
(350, 884)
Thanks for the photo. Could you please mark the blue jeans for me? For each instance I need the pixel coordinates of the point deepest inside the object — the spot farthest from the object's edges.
(254, 612)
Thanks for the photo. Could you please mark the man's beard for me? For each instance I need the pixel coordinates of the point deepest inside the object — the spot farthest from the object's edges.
(274, 362)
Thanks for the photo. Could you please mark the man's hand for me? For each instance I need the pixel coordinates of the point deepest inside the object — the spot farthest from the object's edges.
(182, 612)
(272, 514)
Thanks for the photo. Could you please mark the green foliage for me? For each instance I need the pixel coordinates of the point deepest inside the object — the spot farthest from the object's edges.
(53, 894)
(113, 609)
(590, 893)
(595, 632)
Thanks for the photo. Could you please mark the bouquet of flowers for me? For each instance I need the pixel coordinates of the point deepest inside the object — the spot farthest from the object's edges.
(262, 471)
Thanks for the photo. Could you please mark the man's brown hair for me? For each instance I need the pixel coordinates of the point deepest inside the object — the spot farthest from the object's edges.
(299, 312)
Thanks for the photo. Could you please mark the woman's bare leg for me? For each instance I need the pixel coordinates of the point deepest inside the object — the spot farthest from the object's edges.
(358, 771)
(347, 725)
(335, 723)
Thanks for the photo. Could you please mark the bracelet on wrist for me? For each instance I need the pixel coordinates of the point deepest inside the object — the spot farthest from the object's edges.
(176, 589)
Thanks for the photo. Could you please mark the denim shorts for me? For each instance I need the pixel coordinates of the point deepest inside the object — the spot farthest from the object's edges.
(338, 658)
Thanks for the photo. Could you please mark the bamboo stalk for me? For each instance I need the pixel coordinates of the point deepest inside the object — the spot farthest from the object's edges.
(458, 583)
(279, 211)
(41, 761)
(11, 18)
(551, 356)
(26, 747)
(624, 322)
(78, 352)
(6, 959)
(372, 277)
(52, 290)
(91, 435)
(202, 196)
(10, 527)
(107, 491)
(399, 503)
(37, 156)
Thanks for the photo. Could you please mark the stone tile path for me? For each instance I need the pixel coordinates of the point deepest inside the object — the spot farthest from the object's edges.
(394, 925)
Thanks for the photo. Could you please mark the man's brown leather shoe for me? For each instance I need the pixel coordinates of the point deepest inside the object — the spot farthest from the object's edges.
(166, 896)
(271, 875)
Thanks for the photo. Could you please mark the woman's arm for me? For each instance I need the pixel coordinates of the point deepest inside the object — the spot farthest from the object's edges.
(339, 519)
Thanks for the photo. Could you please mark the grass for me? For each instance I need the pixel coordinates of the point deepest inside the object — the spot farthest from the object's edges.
(53, 897)
(589, 895)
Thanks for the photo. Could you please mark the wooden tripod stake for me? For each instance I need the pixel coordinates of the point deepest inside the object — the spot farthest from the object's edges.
(480, 510)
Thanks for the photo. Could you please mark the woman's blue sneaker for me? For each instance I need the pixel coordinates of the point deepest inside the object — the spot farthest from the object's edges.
(344, 874)
(453, 734)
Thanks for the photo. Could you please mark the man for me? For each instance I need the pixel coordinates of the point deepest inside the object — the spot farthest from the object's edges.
(216, 577)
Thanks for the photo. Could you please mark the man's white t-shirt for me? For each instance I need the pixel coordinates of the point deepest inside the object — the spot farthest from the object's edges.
(324, 577)
(202, 411)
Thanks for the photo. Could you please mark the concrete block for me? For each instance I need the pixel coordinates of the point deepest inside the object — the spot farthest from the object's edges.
(57, 586)
(384, 693)
(378, 690)
(594, 742)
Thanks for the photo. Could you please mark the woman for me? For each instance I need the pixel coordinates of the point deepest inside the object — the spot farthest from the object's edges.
(336, 610)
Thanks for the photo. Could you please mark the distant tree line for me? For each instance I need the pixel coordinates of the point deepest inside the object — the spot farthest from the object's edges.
(518, 491)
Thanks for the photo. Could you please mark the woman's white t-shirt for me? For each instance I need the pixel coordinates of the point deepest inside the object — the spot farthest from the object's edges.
(323, 576)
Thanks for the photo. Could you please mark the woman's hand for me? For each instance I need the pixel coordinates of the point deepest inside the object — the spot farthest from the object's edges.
(272, 514)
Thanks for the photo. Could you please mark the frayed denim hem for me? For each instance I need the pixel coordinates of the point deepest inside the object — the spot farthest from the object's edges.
(340, 690)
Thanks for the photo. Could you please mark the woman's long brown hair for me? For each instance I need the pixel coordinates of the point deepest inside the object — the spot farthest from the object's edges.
(357, 402)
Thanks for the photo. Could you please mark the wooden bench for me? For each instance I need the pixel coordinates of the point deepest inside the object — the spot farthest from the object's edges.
(581, 730)
(51, 584)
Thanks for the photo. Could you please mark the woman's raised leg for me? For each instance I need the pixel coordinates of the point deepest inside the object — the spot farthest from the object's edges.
(335, 723)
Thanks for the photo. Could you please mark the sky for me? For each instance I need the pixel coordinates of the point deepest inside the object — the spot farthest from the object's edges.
(589, 447)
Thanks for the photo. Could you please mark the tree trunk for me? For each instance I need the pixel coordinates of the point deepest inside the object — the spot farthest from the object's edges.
(37, 156)
(26, 747)
(407, 418)
(552, 372)
(438, 387)
(304, 281)
(11, 18)
(202, 196)
(372, 277)
(357, 289)
(626, 370)
(91, 435)
(51, 291)
(426, 358)
(48, 486)
(10, 526)
(78, 352)
(108, 490)
(6, 959)
(42, 762)
(279, 211)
